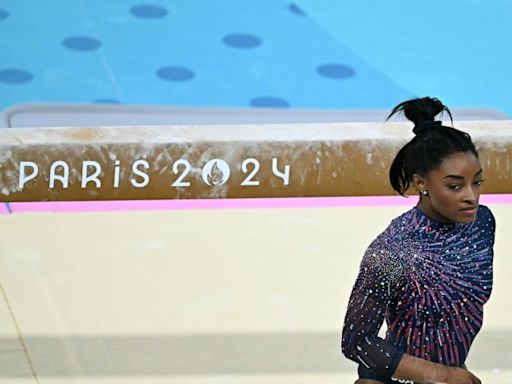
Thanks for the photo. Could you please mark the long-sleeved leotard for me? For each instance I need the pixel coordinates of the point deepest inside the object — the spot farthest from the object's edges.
(429, 281)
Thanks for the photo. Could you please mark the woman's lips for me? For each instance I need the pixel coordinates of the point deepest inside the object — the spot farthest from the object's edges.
(469, 211)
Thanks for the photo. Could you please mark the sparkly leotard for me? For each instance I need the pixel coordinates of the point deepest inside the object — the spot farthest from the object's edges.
(429, 281)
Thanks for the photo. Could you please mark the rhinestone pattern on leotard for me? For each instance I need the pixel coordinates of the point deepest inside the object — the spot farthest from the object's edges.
(429, 281)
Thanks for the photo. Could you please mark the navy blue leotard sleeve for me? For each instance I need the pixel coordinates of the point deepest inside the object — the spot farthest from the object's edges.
(380, 277)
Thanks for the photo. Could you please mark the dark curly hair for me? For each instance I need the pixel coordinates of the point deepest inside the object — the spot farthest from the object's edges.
(432, 143)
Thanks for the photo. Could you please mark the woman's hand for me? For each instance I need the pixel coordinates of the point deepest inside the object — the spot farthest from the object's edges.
(427, 372)
(457, 375)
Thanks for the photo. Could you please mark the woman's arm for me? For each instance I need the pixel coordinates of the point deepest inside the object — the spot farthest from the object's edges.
(423, 371)
(378, 282)
(380, 276)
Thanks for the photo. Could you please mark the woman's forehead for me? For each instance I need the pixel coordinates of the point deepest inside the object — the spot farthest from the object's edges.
(461, 164)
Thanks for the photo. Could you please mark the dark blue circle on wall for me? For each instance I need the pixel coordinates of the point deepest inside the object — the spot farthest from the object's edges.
(294, 8)
(336, 71)
(3, 14)
(175, 73)
(15, 76)
(269, 102)
(148, 11)
(242, 40)
(81, 43)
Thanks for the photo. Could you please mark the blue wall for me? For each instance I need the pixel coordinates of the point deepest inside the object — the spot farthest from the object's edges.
(260, 53)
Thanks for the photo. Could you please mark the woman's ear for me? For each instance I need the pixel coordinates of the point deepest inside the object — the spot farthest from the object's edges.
(420, 184)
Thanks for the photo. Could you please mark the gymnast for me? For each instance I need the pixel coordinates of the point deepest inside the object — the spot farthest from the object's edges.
(429, 273)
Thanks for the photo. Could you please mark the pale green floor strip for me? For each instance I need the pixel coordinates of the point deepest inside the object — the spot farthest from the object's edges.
(14, 356)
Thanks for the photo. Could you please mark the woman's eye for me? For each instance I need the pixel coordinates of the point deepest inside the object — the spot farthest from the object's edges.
(479, 182)
(454, 187)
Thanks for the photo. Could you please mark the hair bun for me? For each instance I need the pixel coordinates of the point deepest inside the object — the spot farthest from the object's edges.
(422, 112)
(425, 125)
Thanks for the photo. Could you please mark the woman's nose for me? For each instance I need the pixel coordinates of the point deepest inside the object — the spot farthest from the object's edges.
(471, 195)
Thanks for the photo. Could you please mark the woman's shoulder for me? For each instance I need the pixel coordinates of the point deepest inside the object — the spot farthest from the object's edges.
(394, 235)
(485, 213)
(401, 225)
(485, 220)
(383, 257)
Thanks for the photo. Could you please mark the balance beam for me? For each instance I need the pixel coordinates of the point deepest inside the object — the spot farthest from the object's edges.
(222, 161)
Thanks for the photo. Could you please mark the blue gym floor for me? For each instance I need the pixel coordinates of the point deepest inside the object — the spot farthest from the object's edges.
(260, 53)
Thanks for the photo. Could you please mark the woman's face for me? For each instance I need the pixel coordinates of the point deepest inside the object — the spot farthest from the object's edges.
(453, 189)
